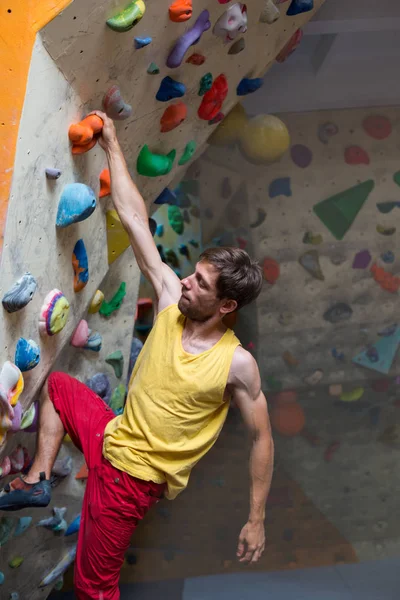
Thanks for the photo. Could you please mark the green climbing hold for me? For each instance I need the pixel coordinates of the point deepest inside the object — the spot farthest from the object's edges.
(188, 152)
(107, 308)
(128, 17)
(172, 258)
(396, 177)
(175, 219)
(16, 562)
(154, 165)
(118, 399)
(205, 83)
(6, 527)
(194, 243)
(116, 360)
(339, 212)
(152, 69)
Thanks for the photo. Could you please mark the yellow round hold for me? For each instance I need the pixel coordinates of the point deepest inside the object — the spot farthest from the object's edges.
(96, 302)
(231, 128)
(265, 139)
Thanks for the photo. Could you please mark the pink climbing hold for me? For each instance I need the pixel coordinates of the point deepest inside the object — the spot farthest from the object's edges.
(114, 105)
(301, 155)
(355, 155)
(80, 335)
(377, 126)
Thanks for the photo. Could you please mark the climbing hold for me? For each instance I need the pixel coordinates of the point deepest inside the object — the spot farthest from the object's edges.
(173, 116)
(116, 360)
(100, 384)
(338, 355)
(11, 386)
(205, 83)
(231, 129)
(212, 101)
(166, 197)
(355, 394)
(152, 226)
(94, 342)
(53, 173)
(62, 467)
(310, 262)
(196, 59)
(270, 13)
(280, 187)
(77, 202)
(194, 243)
(264, 139)
(326, 131)
(335, 389)
(301, 155)
(387, 257)
(385, 230)
(83, 134)
(17, 459)
(387, 207)
(287, 419)
(184, 250)
(6, 528)
(169, 89)
(105, 183)
(160, 230)
(73, 527)
(385, 350)
(377, 126)
(232, 22)
(289, 359)
(152, 69)
(299, 6)
(330, 451)
(20, 294)
(118, 399)
(136, 347)
(386, 280)
(96, 301)
(5, 468)
(154, 165)
(16, 421)
(248, 86)
(314, 377)
(362, 259)
(338, 313)
(261, 216)
(80, 266)
(354, 155)
(114, 105)
(388, 330)
(30, 418)
(396, 177)
(56, 522)
(171, 258)
(271, 270)
(83, 472)
(2, 578)
(81, 334)
(339, 211)
(190, 37)
(127, 18)
(27, 354)
(15, 562)
(60, 568)
(237, 46)
(175, 219)
(117, 238)
(107, 308)
(180, 10)
(290, 47)
(144, 316)
(312, 238)
(217, 119)
(188, 152)
(23, 524)
(54, 313)
(141, 42)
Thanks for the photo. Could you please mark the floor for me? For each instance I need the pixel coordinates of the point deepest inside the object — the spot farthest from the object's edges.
(374, 580)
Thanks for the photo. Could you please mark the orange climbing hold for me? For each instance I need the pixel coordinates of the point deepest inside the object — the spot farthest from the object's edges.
(180, 10)
(271, 270)
(82, 134)
(83, 472)
(287, 419)
(173, 116)
(105, 183)
(386, 280)
(196, 59)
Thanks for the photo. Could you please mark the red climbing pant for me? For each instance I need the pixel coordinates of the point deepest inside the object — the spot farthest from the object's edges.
(114, 501)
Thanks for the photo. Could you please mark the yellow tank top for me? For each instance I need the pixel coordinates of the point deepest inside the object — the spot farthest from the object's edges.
(175, 408)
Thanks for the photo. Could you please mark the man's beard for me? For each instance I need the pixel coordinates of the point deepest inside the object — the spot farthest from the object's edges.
(190, 312)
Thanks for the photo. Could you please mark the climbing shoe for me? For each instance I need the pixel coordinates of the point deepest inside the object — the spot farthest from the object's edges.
(18, 494)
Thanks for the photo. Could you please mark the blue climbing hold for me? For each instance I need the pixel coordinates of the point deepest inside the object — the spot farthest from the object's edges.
(22, 525)
(280, 187)
(136, 347)
(169, 89)
(2, 577)
(379, 356)
(77, 203)
(73, 527)
(166, 197)
(160, 230)
(142, 42)
(27, 354)
(387, 257)
(299, 6)
(248, 86)
(80, 265)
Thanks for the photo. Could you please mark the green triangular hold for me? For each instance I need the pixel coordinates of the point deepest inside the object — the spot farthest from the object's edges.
(339, 212)
(153, 69)
(379, 356)
(396, 177)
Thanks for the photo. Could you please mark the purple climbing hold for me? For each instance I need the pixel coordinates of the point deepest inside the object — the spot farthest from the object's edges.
(301, 155)
(190, 37)
(136, 347)
(280, 187)
(53, 173)
(362, 259)
(299, 6)
(100, 385)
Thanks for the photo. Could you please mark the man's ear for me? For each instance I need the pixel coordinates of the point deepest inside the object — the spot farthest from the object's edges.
(228, 306)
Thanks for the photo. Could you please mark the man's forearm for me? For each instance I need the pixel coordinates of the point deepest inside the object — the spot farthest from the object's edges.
(261, 468)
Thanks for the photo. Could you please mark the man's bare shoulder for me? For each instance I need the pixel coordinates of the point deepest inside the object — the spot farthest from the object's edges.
(244, 369)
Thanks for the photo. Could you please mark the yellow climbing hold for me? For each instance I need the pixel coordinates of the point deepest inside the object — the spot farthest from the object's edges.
(117, 238)
(231, 128)
(265, 139)
(128, 17)
(96, 302)
(67, 438)
(353, 395)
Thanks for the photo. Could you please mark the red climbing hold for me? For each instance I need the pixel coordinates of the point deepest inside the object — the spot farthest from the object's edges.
(271, 270)
(290, 47)
(173, 116)
(212, 101)
(386, 280)
(196, 59)
(377, 126)
(330, 451)
(354, 155)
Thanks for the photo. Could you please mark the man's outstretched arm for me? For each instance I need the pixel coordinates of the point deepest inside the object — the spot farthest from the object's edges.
(246, 391)
(132, 211)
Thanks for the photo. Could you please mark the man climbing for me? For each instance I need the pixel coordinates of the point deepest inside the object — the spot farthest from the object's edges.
(189, 368)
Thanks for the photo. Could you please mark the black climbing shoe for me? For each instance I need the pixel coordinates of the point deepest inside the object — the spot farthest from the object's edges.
(18, 496)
